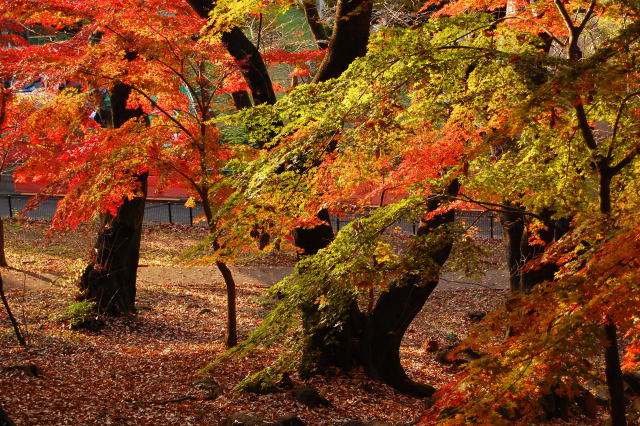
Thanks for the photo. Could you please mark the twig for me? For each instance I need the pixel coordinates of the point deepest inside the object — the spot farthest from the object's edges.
(16, 329)
(470, 283)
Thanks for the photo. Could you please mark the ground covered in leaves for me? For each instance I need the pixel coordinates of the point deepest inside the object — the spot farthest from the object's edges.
(143, 370)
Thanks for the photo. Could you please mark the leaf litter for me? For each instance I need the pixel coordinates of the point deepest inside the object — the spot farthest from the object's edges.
(143, 370)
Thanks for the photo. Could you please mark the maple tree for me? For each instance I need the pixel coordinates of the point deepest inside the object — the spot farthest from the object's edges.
(12, 37)
(147, 86)
(508, 108)
(525, 109)
(297, 175)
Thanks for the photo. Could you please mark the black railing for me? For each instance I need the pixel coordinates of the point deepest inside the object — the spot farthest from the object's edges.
(481, 224)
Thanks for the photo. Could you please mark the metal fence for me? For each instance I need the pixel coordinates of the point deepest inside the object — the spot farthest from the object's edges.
(481, 224)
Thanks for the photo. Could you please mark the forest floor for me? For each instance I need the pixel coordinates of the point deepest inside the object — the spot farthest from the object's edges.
(143, 370)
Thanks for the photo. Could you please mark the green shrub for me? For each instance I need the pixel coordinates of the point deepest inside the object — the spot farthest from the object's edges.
(79, 312)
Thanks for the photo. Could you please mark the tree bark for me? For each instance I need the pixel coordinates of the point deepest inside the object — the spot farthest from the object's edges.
(232, 326)
(313, 19)
(545, 272)
(246, 55)
(349, 38)
(397, 307)
(520, 250)
(110, 280)
(310, 240)
(614, 376)
(372, 340)
(513, 231)
(613, 371)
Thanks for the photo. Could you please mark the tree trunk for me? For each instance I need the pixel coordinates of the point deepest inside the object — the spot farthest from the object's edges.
(110, 280)
(3, 259)
(384, 329)
(246, 55)
(513, 231)
(373, 339)
(232, 327)
(528, 252)
(613, 372)
(520, 250)
(14, 323)
(614, 377)
(310, 240)
(397, 307)
(349, 38)
(317, 27)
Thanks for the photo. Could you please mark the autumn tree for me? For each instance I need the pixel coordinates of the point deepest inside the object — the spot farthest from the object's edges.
(12, 37)
(360, 107)
(561, 147)
(476, 78)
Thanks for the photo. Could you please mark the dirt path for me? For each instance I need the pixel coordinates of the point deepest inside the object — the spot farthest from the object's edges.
(19, 279)
(251, 276)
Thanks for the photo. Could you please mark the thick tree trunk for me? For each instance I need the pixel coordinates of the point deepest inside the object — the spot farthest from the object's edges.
(397, 307)
(251, 65)
(317, 27)
(528, 252)
(110, 280)
(385, 328)
(14, 323)
(349, 38)
(246, 55)
(520, 250)
(3, 258)
(241, 100)
(373, 339)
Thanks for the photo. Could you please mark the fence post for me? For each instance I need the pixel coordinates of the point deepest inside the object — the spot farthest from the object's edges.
(491, 225)
(190, 216)
(170, 217)
(413, 227)
(10, 207)
(337, 222)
